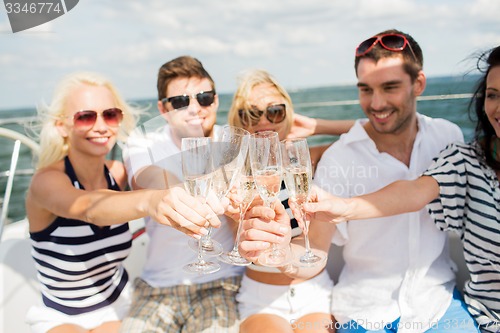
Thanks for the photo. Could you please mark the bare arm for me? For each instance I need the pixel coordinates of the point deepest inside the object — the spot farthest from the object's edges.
(397, 198)
(304, 126)
(316, 152)
(333, 127)
(51, 194)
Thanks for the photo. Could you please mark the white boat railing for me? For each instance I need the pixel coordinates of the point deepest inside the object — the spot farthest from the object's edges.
(356, 101)
(19, 139)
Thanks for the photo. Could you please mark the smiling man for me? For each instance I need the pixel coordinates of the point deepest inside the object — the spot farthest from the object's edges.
(398, 274)
(167, 299)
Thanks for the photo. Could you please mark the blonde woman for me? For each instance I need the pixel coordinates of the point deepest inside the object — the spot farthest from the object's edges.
(78, 216)
(269, 300)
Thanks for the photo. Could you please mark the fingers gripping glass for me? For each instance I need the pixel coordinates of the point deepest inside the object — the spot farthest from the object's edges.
(87, 118)
(298, 179)
(266, 166)
(274, 113)
(196, 169)
(204, 98)
(391, 42)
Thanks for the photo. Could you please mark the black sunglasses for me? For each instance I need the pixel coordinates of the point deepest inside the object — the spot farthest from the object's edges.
(274, 113)
(391, 42)
(204, 98)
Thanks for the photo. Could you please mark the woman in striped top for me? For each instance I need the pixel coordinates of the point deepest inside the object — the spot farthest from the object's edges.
(78, 215)
(462, 193)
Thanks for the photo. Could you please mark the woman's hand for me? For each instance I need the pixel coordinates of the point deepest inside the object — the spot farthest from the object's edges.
(177, 208)
(302, 127)
(322, 207)
(264, 226)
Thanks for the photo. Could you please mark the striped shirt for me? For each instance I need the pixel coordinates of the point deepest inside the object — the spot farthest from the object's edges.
(80, 264)
(469, 204)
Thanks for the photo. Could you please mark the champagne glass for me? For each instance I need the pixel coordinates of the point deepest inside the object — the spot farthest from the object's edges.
(228, 153)
(265, 158)
(298, 179)
(245, 189)
(196, 169)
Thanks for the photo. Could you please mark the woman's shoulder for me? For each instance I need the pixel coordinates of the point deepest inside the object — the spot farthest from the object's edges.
(464, 150)
(49, 171)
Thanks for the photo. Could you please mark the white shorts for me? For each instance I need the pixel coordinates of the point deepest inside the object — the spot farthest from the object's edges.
(42, 318)
(290, 302)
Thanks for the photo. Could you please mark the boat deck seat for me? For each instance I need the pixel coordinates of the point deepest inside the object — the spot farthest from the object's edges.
(18, 282)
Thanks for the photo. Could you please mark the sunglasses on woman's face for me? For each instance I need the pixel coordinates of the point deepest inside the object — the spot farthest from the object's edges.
(87, 118)
(204, 98)
(274, 113)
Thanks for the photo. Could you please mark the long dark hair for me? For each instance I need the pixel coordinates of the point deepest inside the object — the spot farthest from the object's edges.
(485, 133)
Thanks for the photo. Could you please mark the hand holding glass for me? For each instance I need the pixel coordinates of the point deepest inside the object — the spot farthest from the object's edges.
(298, 180)
(245, 189)
(196, 169)
(265, 157)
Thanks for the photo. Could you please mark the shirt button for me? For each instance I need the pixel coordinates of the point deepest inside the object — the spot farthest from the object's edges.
(292, 292)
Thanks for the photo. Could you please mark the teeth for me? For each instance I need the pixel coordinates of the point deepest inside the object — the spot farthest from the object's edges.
(382, 115)
(99, 140)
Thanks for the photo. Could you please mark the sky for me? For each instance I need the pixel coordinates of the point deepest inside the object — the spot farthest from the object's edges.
(303, 43)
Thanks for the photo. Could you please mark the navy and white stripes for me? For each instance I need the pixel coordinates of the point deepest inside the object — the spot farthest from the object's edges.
(469, 205)
(79, 264)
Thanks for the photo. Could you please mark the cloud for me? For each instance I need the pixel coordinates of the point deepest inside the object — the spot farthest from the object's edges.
(303, 43)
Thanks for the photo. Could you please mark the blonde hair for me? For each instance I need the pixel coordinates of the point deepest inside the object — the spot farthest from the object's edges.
(246, 82)
(53, 146)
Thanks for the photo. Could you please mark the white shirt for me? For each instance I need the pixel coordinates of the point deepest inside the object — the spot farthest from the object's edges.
(395, 266)
(168, 249)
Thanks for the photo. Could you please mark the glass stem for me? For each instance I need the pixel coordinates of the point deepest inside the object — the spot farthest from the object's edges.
(306, 232)
(206, 240)
(237, 240)
(274, 247)
(201, 261)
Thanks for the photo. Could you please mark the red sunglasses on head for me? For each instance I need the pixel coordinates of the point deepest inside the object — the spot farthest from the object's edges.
(87, 118)
(391, 42)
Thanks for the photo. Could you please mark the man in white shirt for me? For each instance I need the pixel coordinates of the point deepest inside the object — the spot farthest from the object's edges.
(167, 299)
(398, 274)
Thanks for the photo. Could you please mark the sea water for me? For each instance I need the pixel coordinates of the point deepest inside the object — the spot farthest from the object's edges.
(445, 97)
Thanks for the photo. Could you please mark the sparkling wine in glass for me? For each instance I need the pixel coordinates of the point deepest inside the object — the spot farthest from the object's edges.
(298, 180)
(228, 151)
(197, 172)
(265, 158)
(246, 191)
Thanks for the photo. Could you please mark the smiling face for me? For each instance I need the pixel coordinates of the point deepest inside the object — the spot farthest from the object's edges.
(492, 99)
(195, 120)
(97, 140)
(262, 96)
(387, 95)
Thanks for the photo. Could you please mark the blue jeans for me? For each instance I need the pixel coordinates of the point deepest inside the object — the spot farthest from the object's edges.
(456, 319)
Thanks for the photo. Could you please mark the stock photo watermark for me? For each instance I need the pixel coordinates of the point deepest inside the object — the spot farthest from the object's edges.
(447, 324)
(25, 14)
(356, 177)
